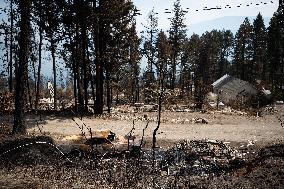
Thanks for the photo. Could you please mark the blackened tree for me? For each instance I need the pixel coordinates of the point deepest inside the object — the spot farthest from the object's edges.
(243, 55)
(19, 126)
(259, 49)
(134, 63)
(191, 57)
(150, 37)
(276, 51)
(11, 45)
(226, 51)
(163, 54)
(149, 51)
(177, 35)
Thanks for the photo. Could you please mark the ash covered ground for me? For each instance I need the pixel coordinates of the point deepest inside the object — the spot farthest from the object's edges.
(229, 149)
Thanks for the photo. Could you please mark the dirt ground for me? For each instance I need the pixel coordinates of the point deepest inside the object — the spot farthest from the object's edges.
(175, 126)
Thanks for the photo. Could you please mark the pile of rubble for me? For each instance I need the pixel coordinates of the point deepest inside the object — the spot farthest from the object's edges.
(201, 158)
(141, 107)
(144, 118)
(229, 111)
(186, 120)
(268, 110)
(188, 164)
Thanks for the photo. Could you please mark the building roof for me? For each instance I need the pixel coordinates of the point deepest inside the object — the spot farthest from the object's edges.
(221, 81)
(232, 87)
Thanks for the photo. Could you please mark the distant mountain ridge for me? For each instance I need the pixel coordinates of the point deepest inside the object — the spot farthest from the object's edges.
(227, 23)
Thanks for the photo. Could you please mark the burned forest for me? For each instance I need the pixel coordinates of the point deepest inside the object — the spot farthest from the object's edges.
(123, 94)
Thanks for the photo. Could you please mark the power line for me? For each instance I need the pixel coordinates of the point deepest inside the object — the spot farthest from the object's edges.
(218, 7)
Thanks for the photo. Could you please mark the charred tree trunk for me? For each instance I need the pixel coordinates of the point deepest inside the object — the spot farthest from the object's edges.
(75, 82)
(80, 90)
(108, 88)
(91, 79)
(99, 65)
(117, 90)
(11, 48)
(54, 72)
(85, 66)
(78, 70)
(132, 98)
(99, 86)
(137, 90)
(29, 94)
(74, 69)
(160, 100)
(34, 77)
(111, 94)
(39, 68)
(173, 71)
(93, 90)
(19, 126)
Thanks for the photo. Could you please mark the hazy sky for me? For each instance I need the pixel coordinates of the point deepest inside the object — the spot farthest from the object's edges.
(201, 15)
(194, 16)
